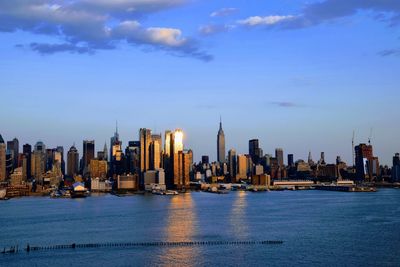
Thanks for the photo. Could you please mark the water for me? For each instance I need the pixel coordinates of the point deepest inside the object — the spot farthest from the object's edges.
(317, 227)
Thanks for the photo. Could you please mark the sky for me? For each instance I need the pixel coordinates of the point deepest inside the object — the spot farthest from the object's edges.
(300, 75)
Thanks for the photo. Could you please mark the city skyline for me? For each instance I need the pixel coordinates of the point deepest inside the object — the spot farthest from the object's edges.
(100, 147)
(298, 75)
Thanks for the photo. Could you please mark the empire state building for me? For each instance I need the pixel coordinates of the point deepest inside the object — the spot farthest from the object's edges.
(221, 144)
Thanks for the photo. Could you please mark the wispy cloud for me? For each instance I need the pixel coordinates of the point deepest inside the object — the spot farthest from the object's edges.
(389, 52)
(268, 20)
(211, 29)
(325, 11)
(223, 12)
(286, 104)
(90, 25)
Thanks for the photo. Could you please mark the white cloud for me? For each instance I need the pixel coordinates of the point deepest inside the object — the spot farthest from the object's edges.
(268, 20)
(214, 29)
(88, 25)
(224, 12)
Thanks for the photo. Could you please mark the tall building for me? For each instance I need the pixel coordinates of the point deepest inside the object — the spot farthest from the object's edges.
(27, 151)
(205, 159)
(2, 160)
(221, 144)
(322, 159)
(38, 161)
(182, 167)
(116, 155)
(105, 153)
(13, 147)
(167, 143)
(132, 153)
(279, 156)
(114, 143)
(254, 151)
(145, 141)
(98, 168)
(72, 161)
(290, 160)
(241, 167)
(176, 178)
(88, 154)
(232, 164)
(364, 161)
(60, 150)
(396, 168)
(155, 152)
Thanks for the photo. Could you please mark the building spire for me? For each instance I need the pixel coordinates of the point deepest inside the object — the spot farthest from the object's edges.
(116, 126)
(220, 122)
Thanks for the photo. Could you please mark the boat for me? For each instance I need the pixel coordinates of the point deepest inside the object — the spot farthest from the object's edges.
(171, 192)
(3, 193)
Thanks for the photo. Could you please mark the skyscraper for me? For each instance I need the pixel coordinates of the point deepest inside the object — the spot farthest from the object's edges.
(38, 161)
(221, 144)
(241, 167)
(115, 145)
(290, 160)
(279, 156)
(255, 151)
(27, 150)
(72, 161)
(2, 160)
(365, 162)
(60, 150)
(105, 153)
(13, 147)
(232, 162)
(145, 141)
(177, 160)
(116, 155)
(88, 154)
(155, 151)
(167, 144)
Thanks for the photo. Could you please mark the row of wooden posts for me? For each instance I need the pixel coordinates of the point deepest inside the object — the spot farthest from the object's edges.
(29, 248)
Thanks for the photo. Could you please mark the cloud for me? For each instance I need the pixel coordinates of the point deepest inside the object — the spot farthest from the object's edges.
(325, 11)
(268, 20)
(56, 48)
(285, 104)
(389, 52)
(211, 29)
(89, 25)
(223, 12)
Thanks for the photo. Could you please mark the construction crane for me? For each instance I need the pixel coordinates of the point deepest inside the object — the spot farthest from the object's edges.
(352, 148)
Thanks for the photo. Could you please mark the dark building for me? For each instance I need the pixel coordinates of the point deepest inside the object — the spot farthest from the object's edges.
(132, 153)
(13, 148)
(88, 154)
(396, 168)
(364, 162)
(255, 151)
(27, 151)
(72, 161)
(205, 160)
(290, 160)
(232, 164)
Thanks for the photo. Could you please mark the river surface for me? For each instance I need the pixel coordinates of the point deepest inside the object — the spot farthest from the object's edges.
(319, 228)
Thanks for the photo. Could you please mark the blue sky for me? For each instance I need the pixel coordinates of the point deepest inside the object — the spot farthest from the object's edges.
(301, 75)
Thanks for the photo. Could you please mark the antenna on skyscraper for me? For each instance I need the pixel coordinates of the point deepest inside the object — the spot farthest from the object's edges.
(116, 126)
(370, 136)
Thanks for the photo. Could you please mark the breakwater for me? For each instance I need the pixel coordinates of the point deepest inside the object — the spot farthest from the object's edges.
(29, 248)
